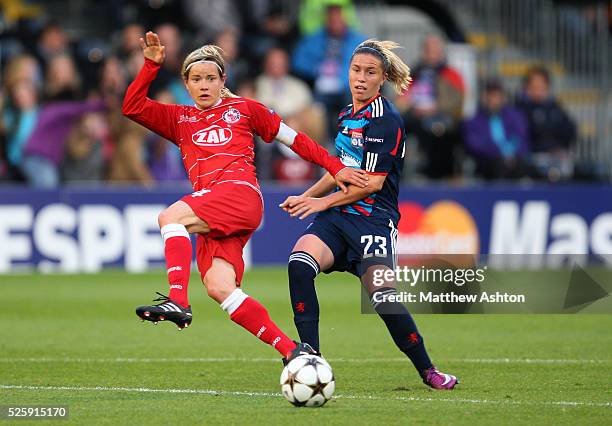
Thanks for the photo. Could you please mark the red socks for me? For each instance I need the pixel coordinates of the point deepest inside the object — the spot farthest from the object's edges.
(243, 310)
(178, 261)
(254, 317)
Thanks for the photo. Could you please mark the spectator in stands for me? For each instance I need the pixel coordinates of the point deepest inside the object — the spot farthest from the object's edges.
(164, 161)
(83, 160)
(62, 82)
(323, 57)
(292, 99)
(551, 130)
(236, 67)
(550, 127)
(128, 40)
(433, 108)
(210, 17)
(174, 46)
(113, 80)
(126, 159)
(127, 164)
(169, 76)
(23, 67)
(20, 110)
(497, 136)
(312, 14)
(3, 161)
(20, 118)
(266, 24)
(52, 41)
(44, 149)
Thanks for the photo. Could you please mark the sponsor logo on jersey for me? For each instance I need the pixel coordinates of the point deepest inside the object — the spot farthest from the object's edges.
(230, 116)
(212, 136)
(188, 119)
(357, 138)
(374, 140)
(348, 160)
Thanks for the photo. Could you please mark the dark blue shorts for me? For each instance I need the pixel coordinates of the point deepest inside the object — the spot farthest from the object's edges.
(357, 242)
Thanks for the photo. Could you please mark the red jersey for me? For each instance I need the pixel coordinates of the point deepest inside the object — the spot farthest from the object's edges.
(216, 143)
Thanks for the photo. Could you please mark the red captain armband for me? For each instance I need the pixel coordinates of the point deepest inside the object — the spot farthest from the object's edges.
(315, 153)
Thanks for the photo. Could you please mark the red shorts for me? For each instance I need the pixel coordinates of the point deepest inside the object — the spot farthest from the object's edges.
(233, 211)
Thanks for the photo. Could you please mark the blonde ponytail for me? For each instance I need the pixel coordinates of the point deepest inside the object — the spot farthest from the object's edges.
(397, 72)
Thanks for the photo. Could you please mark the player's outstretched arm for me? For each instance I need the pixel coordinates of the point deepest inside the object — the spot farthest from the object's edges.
(305, 206)
(136, 105)
(322, 187)
(267, 124)
(311, 151)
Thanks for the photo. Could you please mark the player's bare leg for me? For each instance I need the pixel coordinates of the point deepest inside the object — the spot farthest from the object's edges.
(310, 255)
(403, 329)
(313, 245)
(176, 223)
(181, 213)
(220, 282)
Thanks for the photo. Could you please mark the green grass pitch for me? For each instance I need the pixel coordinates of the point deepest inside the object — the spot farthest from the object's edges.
(74, 340)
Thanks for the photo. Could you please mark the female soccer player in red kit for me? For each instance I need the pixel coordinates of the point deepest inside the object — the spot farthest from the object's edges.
(215, 137)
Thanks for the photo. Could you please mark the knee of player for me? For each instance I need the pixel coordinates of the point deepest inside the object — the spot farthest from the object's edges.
(216, 292)
(302, 264)
(218, 287)
(166, 217)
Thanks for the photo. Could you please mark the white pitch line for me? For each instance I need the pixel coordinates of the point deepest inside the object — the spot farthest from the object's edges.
(275, 395)
(332, 360)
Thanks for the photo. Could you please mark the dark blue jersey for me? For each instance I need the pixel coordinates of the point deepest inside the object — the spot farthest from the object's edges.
(374, 139)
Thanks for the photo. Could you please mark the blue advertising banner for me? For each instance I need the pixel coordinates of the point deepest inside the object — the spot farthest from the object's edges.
(87, 229)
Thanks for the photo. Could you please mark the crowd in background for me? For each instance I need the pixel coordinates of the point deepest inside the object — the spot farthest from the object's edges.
(61, 97)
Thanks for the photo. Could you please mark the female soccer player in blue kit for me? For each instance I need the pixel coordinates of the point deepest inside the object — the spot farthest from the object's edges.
(357, 231)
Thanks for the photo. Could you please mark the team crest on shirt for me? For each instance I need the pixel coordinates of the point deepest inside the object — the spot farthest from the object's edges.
(212, 136)
(230, 116)
(357, 138)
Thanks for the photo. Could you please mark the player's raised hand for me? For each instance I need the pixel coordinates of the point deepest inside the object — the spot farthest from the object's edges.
(352, 176)
(152, 47)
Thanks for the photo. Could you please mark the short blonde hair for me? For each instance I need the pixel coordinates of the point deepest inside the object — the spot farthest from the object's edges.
(208, 52)
(397, 72)
(19, 68)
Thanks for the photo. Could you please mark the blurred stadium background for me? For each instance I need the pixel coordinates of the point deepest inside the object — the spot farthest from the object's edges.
(81, 185)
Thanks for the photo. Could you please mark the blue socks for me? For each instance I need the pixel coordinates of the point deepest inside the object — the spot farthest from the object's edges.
(402, 328)
(303, 269)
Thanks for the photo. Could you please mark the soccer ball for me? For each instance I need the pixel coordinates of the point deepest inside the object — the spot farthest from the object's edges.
(308, 381)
